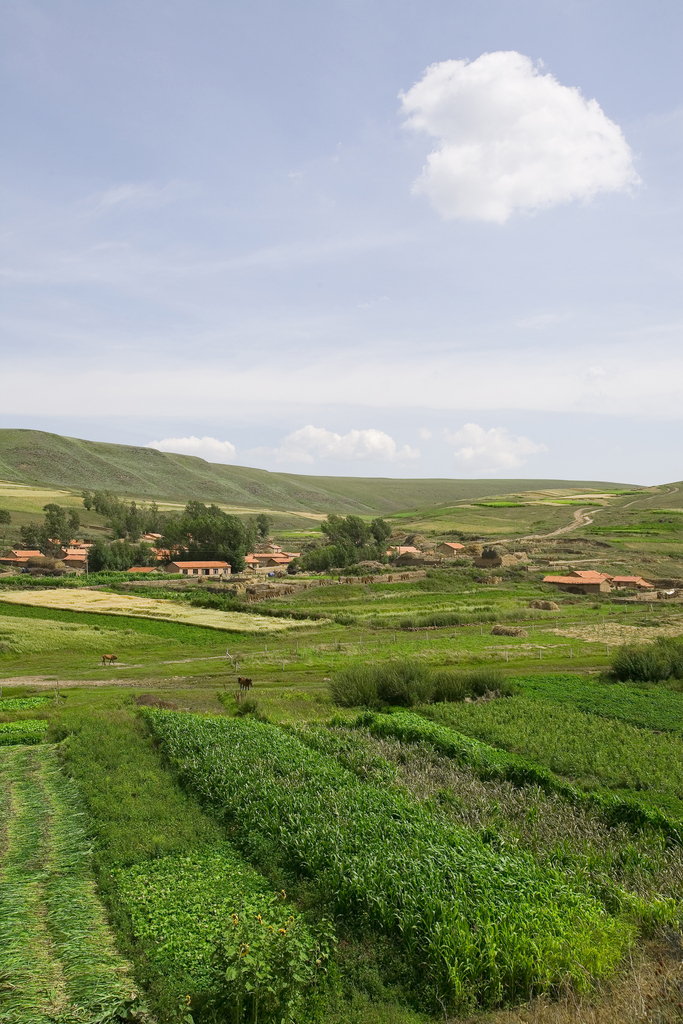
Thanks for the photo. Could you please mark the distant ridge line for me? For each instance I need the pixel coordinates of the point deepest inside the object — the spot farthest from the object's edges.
(52, 460)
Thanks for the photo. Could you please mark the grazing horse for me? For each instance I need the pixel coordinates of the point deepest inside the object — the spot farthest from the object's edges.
(245, 684)
(109, 659)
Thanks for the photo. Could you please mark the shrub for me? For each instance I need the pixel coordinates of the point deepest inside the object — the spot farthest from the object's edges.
(649, 663)
(409, 682)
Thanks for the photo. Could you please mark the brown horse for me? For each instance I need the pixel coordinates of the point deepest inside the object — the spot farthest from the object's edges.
(109, 659)
(244, 683)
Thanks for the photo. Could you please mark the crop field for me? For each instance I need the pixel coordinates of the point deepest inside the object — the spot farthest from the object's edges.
(58, 959)
(133, 606)
(589, 750)
(439, 891)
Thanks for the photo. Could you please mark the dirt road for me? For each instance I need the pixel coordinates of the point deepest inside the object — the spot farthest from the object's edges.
(581, 518)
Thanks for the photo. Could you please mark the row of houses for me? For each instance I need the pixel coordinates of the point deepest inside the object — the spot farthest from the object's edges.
(589, 581)
(74, 555)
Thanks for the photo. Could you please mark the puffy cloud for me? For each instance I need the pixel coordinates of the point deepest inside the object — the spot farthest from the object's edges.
(424, 434)
(491, 451)
(311, 443)
(209, 448)
(511, 138)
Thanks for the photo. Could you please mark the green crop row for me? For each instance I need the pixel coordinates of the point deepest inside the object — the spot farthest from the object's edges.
(214, 925)
(23, 703)
(58, 959)
(191, 914)
(649, 708)
(30, 730)
(471, 923)
(591, 751)
(488, 762)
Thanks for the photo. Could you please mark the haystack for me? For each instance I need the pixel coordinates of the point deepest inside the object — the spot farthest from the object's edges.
(508, 631)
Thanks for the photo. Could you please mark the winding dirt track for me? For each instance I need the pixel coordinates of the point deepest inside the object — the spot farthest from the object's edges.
(581, 518)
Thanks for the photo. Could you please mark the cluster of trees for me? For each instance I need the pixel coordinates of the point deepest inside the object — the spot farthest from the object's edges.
(119, 556)
(127, 520)
(203, 532)
(349, 540)
(54, 533)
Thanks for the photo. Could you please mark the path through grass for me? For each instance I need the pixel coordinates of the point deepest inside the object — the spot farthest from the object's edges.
(58, 961)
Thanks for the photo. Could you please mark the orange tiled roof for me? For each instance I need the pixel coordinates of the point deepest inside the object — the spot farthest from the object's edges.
(632, 579)
(200, 565)
(576, 580)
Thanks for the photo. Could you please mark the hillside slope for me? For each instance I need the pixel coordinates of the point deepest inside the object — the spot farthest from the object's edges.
(39, 458)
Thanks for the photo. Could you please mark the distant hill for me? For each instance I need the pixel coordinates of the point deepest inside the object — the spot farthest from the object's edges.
(39, 458)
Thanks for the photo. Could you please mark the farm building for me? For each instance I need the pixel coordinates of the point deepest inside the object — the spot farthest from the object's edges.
(449, 549)
(583, 581)
(19, 557)
(631, 583)
(269, 560)
(143, 568)
(199, 568)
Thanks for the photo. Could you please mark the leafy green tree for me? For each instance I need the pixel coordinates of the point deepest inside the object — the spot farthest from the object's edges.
(87, 499)
(380, 530)
(5, 517)
(263, 525)
(74, 522)
(118, 556)
(56, 530)
(203, 532)
(31, 536)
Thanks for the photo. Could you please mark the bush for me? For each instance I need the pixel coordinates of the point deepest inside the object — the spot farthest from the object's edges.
(649, 663)
(408, 682)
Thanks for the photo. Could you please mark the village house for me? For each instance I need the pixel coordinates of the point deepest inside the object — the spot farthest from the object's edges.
(631, 583)
(143, 568)
(270, 560)
(199, 568)
(19, 557)
(402, 549)
(582, 581)
(449, 549)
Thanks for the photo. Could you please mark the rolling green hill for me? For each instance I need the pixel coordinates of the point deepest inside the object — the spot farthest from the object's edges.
(38, 458)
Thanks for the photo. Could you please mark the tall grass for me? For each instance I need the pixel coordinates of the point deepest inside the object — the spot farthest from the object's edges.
(472, 924)
(408, 682)
(649, 663)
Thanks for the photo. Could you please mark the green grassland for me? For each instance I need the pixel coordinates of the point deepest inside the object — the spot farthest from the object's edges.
(50, 460)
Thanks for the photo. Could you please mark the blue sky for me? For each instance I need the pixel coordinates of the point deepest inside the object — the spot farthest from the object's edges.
(359, 238)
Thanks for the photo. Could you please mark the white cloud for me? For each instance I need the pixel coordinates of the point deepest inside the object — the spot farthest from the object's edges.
(311, 443)
(209, 448)
(511, 139)
(424, 434)
(491, 451)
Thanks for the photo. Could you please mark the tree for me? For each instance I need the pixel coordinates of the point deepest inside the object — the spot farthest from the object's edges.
(56, 529)
(380, 530)
(87, 499)
(263, 525)
(74, 522)
(30, 536)
(5, 517)
(208, 533)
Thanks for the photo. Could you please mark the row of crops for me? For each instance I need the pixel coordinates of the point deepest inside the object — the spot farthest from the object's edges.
(58, 961)
(470, 922)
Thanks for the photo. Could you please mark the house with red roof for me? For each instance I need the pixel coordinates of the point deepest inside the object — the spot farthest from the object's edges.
(582, 581)
(199, 568)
